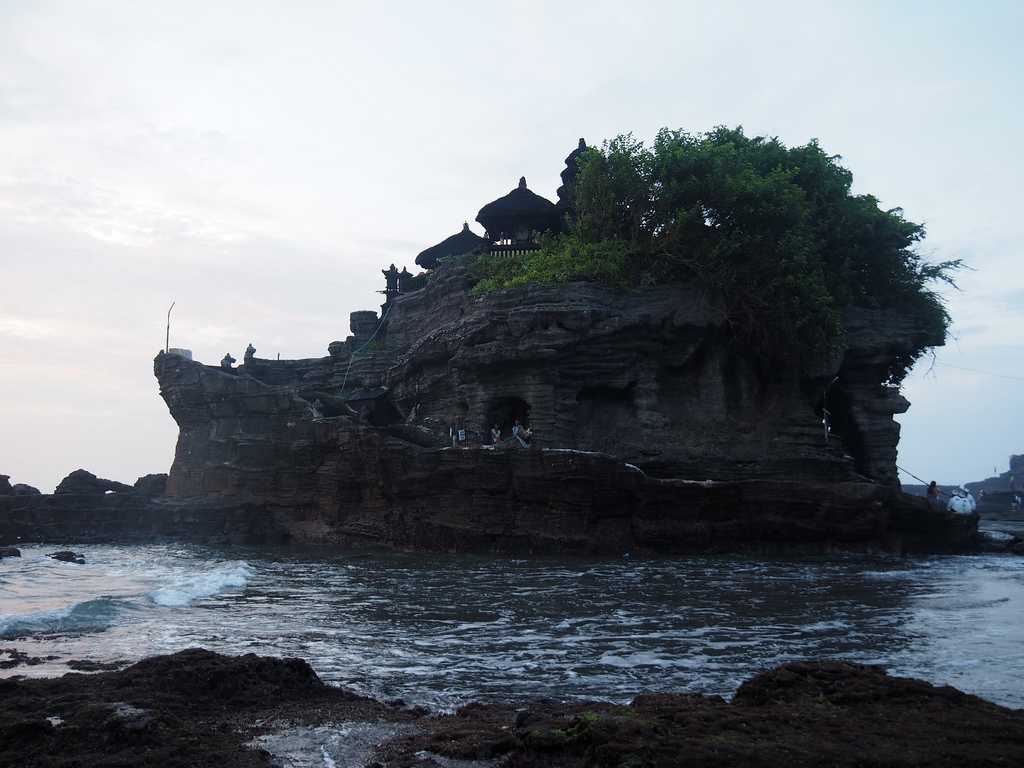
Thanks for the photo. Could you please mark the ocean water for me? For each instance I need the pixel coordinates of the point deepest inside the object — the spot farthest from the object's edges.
(441, 630)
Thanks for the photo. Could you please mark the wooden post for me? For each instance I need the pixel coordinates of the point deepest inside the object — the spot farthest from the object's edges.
(167, 342)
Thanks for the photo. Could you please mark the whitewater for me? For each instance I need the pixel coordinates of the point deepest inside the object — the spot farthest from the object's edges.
(440, 630)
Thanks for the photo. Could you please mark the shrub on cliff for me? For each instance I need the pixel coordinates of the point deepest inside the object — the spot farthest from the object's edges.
(773, 232)
(560, 260)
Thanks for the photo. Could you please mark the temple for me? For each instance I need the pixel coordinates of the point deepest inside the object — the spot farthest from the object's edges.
(465, 241)
(514, 223)
(551, 417)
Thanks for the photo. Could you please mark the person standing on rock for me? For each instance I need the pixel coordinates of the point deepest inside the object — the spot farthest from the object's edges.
(933, 495)
(495, 434)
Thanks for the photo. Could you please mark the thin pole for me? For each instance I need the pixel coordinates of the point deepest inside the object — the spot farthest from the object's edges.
(167, 343)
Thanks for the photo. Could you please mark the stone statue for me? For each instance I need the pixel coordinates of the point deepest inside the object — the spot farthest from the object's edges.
(227, 361)
(404, 277)
(390, 279)
(250, 352)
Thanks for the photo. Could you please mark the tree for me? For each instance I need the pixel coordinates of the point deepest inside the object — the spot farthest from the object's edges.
(773, 233)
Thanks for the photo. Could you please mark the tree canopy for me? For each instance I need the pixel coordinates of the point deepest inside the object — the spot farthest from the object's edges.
(772, 232)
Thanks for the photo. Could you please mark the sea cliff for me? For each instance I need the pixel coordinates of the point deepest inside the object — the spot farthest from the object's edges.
(651, 429)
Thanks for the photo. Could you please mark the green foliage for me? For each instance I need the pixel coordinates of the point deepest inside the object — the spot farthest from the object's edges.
(771, 232)
(561, 259)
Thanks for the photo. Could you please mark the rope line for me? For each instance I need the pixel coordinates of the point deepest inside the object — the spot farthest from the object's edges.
(977, 370)
(352, 357)
(908, 472)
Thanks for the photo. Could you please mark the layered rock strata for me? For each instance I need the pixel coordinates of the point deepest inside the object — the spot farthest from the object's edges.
(651, 429)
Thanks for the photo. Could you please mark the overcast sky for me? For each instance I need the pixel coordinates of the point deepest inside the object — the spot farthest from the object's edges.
(258, 163)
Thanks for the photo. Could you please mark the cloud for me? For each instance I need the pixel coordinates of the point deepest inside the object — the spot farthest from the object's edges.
(24, 328)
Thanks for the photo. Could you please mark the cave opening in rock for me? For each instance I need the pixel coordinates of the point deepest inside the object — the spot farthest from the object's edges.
(603, 414)
(505, 411)
(842, 425)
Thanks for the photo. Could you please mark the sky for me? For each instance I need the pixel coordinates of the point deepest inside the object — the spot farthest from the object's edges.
(258, 163)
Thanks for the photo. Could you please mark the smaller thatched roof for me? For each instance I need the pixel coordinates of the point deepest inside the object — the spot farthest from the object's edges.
(462, 242)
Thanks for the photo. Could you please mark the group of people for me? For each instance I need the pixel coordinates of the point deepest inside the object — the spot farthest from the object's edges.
(961, 501)
(521, 435)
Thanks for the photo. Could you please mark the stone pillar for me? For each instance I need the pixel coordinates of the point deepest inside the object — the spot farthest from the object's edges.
(362, 324)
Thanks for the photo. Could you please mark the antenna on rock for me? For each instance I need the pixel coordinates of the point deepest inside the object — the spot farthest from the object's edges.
(167, 342)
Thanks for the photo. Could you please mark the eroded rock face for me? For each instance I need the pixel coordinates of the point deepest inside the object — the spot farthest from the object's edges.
(634, 401)
(18, 489)
(151, 485)
(83, 482)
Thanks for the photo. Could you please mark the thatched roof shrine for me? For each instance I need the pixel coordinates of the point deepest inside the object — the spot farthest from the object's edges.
(462, 242)
(517, 215)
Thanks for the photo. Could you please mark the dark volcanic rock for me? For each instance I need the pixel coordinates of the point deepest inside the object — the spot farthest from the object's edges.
(193, 708)
(199, 708)
(21, 489)
(5, 485)
(133, 517)
(87, 665)
(152, 485)
(809, 714)
(9, 552)
(83, 482)
(12, 657)
(67, 556)
(654, 432)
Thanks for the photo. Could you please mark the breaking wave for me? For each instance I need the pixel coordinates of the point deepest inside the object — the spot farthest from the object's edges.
(184, 589)
(88, 616)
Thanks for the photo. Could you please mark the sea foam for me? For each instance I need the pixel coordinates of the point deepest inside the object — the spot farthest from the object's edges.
(184, 589)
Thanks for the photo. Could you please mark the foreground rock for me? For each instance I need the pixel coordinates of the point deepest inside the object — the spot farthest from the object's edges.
(67, 556)
(197, 708)
(9, 552)
(193, 708)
